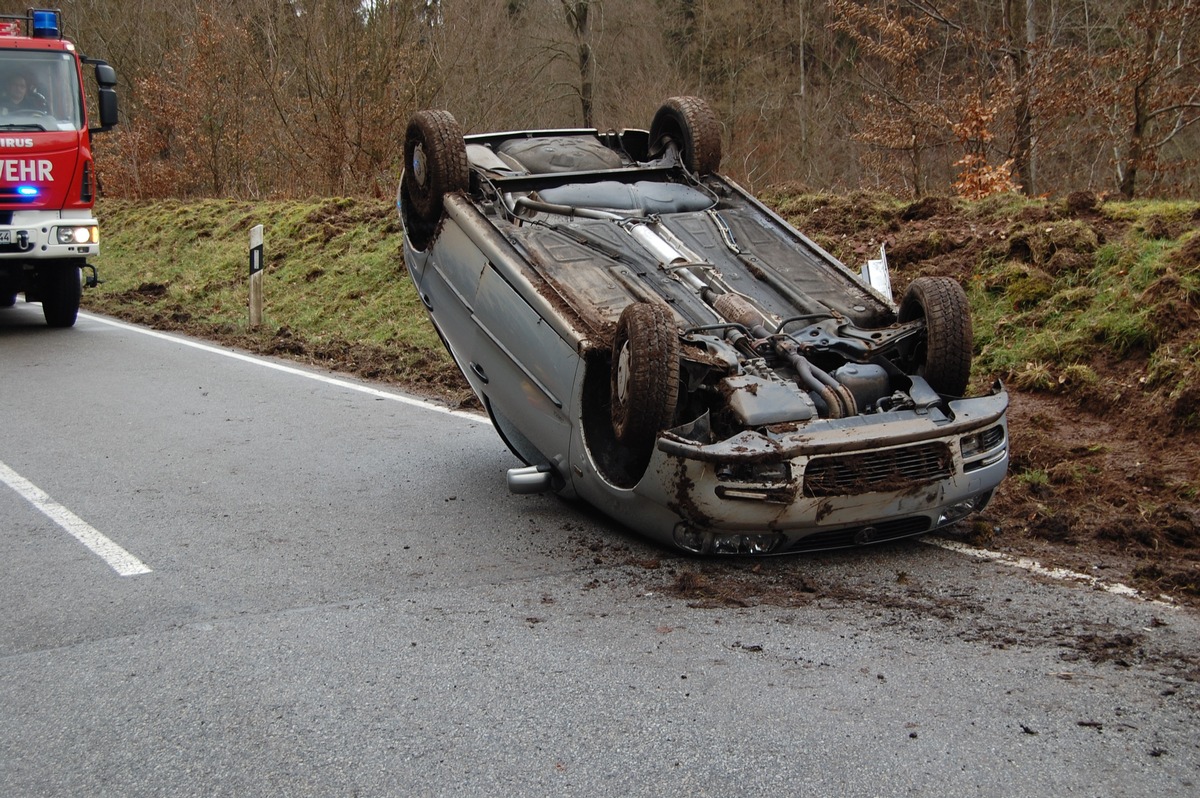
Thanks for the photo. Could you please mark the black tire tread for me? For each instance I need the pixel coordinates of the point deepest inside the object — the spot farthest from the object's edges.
(949, 343)
(61, 291)
(447, 169)
(692, 120)
(653, 389)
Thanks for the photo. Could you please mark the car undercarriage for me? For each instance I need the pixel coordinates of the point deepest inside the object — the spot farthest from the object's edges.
(649, 336)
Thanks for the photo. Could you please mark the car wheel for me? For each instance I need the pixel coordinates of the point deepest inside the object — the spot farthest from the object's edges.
(645, 374)
(435, 162)
(8, 300)
(944, 359)
(61, 291)
(692, 125)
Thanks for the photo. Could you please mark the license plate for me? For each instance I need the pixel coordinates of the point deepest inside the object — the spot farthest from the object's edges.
(5, 236)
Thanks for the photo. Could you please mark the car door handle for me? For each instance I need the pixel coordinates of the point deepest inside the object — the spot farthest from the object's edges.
(426, 302)
(479, 372)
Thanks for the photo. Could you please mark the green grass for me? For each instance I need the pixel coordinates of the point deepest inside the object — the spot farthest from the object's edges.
(1055, 299)
(1025, 315)
(334, 275)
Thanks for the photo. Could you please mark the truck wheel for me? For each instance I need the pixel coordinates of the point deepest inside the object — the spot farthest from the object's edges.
(645, 374)
(944, 359)
(61, 290)
(435, 163)
(692, 125)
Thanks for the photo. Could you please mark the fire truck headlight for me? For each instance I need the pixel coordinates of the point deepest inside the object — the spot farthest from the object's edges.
(79, 235)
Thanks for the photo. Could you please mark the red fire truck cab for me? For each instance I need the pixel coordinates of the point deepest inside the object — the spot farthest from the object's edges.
(48, 230)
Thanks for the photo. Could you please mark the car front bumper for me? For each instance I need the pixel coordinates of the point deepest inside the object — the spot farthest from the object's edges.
(829, 484)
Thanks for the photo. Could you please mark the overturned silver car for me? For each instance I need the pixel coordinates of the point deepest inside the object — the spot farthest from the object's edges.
(647, 336)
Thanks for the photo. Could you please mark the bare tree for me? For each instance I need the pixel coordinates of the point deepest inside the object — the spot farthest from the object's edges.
(1156, 91)
(1021, 33)
(251, 97)
(903, 71)
(579, 16)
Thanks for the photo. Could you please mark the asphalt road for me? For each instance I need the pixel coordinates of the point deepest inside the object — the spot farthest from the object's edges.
(330, 592)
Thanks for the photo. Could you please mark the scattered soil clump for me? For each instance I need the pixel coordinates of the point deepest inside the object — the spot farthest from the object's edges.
(1105, 432)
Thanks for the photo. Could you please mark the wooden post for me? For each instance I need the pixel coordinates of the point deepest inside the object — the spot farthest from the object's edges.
(256, 276)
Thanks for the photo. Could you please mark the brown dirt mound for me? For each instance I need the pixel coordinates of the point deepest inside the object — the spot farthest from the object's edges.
(1105, 475)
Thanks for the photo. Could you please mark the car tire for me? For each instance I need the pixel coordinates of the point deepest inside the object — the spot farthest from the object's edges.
(944, 359)
(8, 300)
(692, 125)
(435, 163)
(645, 374)
(61, 291)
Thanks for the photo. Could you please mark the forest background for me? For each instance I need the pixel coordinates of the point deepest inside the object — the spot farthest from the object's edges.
(294, 98)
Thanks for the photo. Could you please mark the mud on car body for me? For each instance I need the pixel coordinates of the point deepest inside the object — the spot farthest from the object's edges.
(649, 337)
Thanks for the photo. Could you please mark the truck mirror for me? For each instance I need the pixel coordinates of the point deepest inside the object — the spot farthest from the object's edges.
(108, 107)
(106, 76)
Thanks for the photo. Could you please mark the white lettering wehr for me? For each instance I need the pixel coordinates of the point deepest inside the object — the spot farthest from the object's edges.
(20, 170)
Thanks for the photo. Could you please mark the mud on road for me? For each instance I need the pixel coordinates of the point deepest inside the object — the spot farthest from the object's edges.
(1104, 475)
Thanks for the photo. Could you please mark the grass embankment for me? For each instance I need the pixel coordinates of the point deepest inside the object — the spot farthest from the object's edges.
(1098, 302)
(1090, 311)
(335, 288)
(1095, 301)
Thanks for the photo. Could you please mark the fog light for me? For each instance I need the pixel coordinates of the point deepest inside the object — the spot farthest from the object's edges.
(958, 511)
(700, 541)
(763, 543)
(689, 539)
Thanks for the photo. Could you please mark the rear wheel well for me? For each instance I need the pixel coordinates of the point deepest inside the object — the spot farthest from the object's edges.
(617, 463)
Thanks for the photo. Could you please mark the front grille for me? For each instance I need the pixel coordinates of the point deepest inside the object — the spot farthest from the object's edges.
(893, 529)
(883, 470)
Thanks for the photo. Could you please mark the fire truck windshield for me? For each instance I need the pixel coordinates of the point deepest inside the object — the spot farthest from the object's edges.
(39, 90)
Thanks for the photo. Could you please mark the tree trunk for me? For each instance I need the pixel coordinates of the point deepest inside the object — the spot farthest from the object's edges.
(1021, 30)
(579, 20)
(1135, 145)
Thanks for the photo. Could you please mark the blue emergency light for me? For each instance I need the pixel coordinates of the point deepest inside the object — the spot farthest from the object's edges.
(27, 191)
(45, 23)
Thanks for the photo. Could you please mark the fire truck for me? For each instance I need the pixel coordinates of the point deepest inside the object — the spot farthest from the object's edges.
(48, 229)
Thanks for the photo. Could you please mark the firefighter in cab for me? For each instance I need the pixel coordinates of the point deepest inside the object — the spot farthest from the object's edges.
(20, 95)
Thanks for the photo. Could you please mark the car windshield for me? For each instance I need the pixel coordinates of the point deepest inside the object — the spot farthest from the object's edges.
(39, 91)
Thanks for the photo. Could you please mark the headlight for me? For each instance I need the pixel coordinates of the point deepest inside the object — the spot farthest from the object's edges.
(769, 482)
(983, 448)
(971, 445)
(79, 235)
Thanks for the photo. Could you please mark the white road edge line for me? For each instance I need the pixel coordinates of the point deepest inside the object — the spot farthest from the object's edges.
(117, 558)
(262, 361)
(982, 554)
(1033, 566)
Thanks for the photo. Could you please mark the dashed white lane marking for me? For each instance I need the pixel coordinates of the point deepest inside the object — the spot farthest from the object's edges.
(1033, 566)
(117, 558)
(258, 361)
